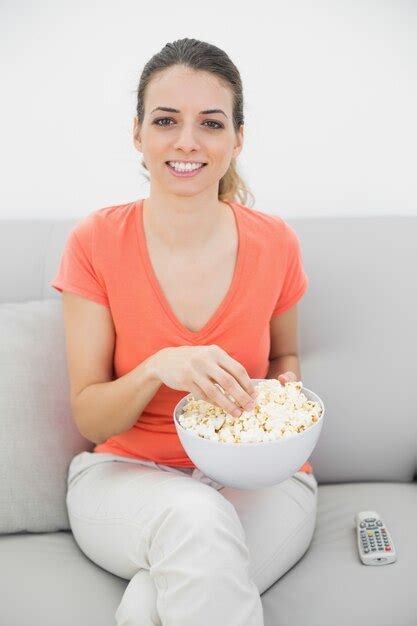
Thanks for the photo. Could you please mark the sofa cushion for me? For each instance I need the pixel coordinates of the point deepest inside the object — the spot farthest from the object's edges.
(39, 437)
(328, 586)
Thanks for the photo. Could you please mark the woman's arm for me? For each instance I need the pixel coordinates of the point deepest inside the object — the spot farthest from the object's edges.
(284, 368)
(283, 355)
(102, 407)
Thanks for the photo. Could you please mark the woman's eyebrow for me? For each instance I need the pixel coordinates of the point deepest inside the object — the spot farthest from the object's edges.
(171, 110)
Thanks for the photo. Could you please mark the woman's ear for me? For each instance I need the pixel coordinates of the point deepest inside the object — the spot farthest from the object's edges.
(136, 134)
(239, 142)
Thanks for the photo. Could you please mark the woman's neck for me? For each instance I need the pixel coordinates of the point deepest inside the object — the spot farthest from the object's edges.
(180, 226)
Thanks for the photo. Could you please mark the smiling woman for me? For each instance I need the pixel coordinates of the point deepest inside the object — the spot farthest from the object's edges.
(184, 291)
(182, 76)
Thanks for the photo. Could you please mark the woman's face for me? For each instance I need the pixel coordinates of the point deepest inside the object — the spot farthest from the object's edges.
(187, 134)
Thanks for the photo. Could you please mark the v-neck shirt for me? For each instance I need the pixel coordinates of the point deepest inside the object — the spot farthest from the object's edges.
(193, 336)
(106, 260)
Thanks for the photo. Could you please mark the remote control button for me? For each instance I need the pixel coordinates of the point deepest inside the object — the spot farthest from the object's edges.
(379, 523)
(387, 549)
(370, 519)
(362, 524)
(366, 550)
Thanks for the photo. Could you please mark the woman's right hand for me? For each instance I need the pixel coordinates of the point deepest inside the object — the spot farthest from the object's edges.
(197, 369)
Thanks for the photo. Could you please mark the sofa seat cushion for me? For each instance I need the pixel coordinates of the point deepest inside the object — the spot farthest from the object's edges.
(47, 579)
(330, 586)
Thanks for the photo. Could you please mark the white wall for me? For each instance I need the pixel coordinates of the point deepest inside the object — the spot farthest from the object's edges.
(330, 89)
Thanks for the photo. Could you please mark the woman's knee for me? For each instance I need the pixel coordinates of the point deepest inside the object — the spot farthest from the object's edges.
(202, 513)
(289, 553)
(202, 506)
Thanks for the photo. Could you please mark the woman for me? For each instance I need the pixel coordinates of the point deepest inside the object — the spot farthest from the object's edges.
(181, 292)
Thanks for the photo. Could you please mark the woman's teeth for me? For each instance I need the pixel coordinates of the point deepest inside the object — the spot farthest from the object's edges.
(184, 167)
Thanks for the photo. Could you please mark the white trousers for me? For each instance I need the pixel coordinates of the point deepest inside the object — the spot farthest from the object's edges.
(195, 553)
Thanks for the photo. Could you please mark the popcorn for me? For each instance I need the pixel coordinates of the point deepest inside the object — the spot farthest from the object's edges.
(280, 411)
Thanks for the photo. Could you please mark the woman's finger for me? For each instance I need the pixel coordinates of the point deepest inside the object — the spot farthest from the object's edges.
(287, 376)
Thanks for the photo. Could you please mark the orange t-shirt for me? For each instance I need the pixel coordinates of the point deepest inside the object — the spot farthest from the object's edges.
(106, 260)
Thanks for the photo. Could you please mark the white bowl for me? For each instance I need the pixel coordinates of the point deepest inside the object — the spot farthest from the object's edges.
(250, 465)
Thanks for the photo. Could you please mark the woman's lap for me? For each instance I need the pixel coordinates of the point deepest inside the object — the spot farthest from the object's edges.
(114, 508)
(279, 523)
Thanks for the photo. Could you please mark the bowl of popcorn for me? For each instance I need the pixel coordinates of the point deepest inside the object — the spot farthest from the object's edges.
(262, 447)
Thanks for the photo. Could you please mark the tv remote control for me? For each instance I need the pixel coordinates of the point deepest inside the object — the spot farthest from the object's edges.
(374, 541)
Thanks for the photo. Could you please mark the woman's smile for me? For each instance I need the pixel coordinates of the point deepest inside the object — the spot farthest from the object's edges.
(184, 173)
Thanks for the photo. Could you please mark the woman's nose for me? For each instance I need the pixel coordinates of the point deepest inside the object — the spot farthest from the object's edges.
(186, 139)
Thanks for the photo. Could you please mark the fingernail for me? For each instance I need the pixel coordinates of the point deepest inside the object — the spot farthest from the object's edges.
(236, 412)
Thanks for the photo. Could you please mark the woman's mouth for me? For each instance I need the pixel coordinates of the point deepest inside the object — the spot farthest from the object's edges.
(187, 172)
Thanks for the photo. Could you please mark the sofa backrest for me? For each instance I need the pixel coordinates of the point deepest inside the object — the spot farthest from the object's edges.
(358, 339)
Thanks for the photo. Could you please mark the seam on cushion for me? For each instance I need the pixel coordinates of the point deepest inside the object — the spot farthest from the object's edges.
(283, 545)
(44, 282)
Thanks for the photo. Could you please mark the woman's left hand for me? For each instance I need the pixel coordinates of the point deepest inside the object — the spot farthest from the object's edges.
(287, 377)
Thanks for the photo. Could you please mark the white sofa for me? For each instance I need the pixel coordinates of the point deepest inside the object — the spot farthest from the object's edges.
(358, 341)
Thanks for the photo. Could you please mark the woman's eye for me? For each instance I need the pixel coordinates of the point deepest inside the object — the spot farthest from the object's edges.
(163, 119)
(213, 122)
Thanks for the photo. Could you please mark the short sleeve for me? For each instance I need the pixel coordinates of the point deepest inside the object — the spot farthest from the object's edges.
(296, 280)
(76, 271)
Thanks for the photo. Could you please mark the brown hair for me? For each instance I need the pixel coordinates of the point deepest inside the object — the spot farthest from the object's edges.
(200, 55)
